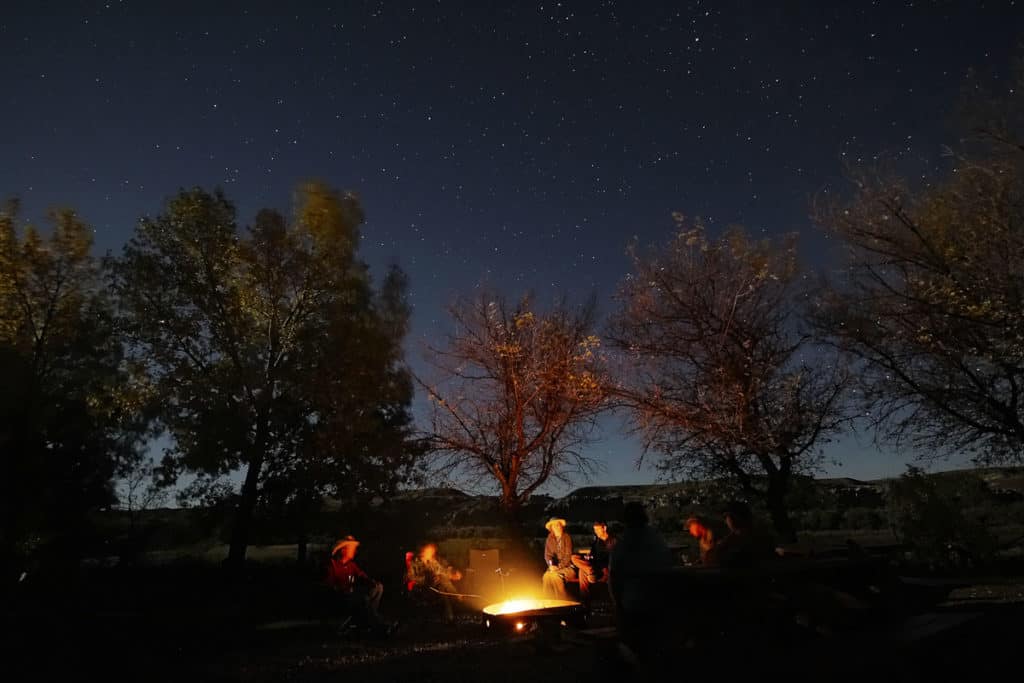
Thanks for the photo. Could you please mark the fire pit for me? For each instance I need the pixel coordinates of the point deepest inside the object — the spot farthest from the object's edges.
(519, 616)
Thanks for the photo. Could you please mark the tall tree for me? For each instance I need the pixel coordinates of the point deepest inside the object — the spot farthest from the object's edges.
(238, 330)
(932, 298)
(516, 394)
(719, 375)
(357, 443)
(68, 419)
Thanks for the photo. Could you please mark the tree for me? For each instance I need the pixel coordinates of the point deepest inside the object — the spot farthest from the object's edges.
(69, 414)
(927, 513)
(238, 330)
(138, 489)
(516, 394)
(720, 378)
(931, 298)
(359, 444)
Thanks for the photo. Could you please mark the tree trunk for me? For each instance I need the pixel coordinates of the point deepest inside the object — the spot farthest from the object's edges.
(775, 500)
(302, 547)
(518, 553)
(243, 514)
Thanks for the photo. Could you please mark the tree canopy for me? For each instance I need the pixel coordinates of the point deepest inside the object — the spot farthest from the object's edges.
(271, 351)
(70, 414)
(719, 372)
(930, 302)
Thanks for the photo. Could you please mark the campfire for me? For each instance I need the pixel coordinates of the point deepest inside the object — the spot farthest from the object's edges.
(521, 614)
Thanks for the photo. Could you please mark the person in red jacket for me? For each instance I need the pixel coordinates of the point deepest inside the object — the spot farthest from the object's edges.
(357, 593)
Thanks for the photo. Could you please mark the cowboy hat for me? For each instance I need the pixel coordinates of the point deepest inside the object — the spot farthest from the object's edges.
(554, 520)
(348, 540)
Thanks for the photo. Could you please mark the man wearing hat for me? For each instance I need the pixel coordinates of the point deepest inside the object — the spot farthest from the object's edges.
(558, 556)
(356, 591)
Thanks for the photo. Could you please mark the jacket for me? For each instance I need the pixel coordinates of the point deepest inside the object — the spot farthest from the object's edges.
(558, 551)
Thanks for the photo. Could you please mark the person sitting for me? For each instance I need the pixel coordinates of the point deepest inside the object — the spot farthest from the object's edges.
(558, 557)
(357, 594)
(427, 571)
(742, 547)
(700, 529)
(593, 567)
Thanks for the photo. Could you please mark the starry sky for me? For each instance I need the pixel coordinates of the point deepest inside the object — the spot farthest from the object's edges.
(521, 144)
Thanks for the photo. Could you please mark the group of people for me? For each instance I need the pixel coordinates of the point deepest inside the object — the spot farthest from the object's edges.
(642, 549)
(742, 547)
(619, 563)
(358, 595)
(564, 566)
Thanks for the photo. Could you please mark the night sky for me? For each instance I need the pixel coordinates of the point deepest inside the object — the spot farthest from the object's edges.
(518, 144)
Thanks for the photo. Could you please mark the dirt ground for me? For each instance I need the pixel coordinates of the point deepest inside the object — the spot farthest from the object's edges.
(191, 637)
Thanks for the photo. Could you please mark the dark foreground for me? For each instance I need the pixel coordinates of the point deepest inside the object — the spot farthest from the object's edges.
(157, 634)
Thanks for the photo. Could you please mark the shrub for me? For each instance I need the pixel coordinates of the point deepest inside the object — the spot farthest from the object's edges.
(926, 513)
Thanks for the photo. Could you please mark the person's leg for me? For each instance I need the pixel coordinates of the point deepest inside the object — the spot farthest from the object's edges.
(354, 606)
(586, 580)
(366, 601)
(550, 582)
(374, 595)
(554, 585)
(562, 577)
(446, 586)
(581, 564)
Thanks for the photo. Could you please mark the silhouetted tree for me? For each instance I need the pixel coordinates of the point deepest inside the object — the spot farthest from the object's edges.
(932, 299)
(69, 413)
(719, 375)
(358, 443)
(515, 394)
(138, 489)
(242, 332)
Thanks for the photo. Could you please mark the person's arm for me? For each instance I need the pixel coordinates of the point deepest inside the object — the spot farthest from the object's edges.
(450, 572)
(713, 557)
(616, 579)
(549, 550)
(565, 557)
(360, 575)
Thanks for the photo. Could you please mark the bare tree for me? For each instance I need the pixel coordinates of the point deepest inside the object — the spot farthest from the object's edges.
(720, 378)
(516, 394)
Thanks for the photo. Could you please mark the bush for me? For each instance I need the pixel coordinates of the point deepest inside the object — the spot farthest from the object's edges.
(927, 514)
(818, 520)
(862, 518)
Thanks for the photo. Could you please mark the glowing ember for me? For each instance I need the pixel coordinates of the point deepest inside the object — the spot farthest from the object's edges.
(525, 605)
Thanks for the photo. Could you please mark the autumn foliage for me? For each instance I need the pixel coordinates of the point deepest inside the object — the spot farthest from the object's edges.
(718, 372)
(514, 394)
